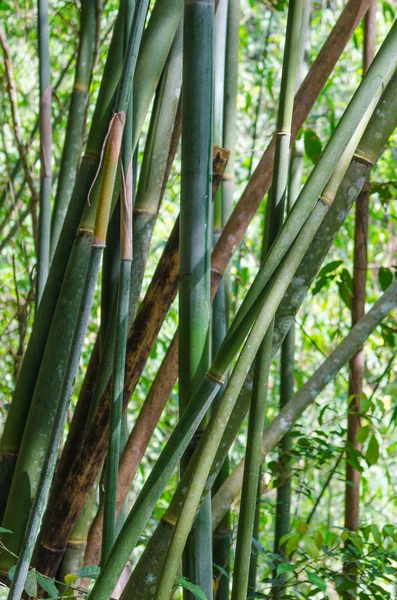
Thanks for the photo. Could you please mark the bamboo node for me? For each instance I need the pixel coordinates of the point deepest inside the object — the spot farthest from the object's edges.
(325, 200)
(364, 157)
(98, 242)
(169, 520)
(283, 133)
(215, 378)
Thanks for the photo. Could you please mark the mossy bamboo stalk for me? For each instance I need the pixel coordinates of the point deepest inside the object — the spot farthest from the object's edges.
(261, 177)
(43, 261)
(89, 462)
(77, 114)
(274, 217)
(59, 345)
(356, 371)
(195, 238)
(148, 568)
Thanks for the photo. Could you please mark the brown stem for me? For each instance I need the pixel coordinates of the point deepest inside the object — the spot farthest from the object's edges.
(357, 363)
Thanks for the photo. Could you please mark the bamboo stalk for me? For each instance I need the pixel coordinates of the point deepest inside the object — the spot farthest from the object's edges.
(221, 540)
(274, 217)
(43, 258)
(123, 294)
(77, 114)
(356, 372)
(287, 376)
(195, 246)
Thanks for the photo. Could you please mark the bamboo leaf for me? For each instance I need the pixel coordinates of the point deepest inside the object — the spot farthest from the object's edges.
(70, 578)
(191, 587)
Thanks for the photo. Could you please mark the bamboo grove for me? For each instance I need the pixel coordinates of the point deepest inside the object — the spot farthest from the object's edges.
(198, 405)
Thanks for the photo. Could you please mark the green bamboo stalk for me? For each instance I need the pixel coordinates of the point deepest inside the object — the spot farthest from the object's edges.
(48, 467)
(77, 114)
(58, 345)
(45, 148)
(221, 539)
(274, 217)
(123, 294)
(195, 245)
(283, 499)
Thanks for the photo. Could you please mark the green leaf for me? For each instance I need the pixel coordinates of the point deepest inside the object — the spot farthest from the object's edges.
(311, 547)
(372, 454)
(48, 585)
(31, 583)
(258, 545)
(222, 571)
(312, 144)
(385, 277)
(330, 267)
(70, 578)
(284, 568)
(292, 544)
(91, 572)
(3, 530)
(11, 573)
(191, 587)
(376, 535)
(317, 581)
(363, 434)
